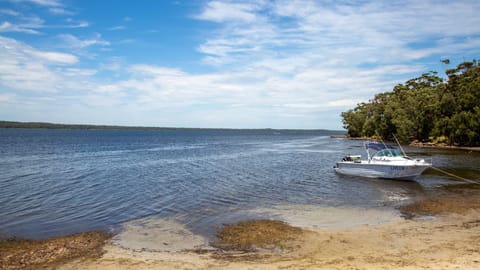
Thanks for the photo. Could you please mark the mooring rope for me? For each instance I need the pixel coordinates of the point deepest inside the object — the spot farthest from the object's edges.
(456, 176)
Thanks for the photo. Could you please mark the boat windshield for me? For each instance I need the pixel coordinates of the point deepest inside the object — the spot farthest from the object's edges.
(388, 153)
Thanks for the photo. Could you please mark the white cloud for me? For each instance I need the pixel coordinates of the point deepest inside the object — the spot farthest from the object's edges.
(351, 32)
(48, 3)
(9, 12)
(77, 72)
(263, 95)
(9, 27)
(60, 11)
(75, 24)
(116, 28)
(342, 103)
(19, 22)
(219, 11)
(149, 70)
(72, 41)
(23, 24)
(26, 68)
(320, 55)
(53, 57)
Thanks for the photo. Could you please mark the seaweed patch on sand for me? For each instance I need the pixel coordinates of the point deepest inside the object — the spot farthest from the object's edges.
(457, 202)
(34, 254)
(258, 235)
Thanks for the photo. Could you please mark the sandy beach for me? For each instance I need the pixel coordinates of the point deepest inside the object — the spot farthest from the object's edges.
(449, 242)
(444, 233)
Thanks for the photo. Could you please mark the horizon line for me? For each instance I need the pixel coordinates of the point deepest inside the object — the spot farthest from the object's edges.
(49, 125)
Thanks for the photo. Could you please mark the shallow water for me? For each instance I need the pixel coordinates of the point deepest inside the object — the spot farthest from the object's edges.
(170, 234)
(56, 182)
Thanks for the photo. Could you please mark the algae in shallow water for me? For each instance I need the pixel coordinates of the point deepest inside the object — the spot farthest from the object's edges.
(253, 235)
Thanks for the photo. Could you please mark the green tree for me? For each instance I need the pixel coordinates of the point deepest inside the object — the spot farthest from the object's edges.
(459, 105)
(423, 107)
(354, 119)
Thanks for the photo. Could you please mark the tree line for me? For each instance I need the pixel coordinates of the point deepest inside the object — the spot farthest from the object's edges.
(427, 108)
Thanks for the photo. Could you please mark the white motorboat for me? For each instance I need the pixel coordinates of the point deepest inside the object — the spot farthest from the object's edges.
(386, 162)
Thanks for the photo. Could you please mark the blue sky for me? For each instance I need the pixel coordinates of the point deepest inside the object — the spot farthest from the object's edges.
(225, 64)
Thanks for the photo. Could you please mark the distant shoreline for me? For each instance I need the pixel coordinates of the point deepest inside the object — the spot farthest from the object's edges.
(46, 125)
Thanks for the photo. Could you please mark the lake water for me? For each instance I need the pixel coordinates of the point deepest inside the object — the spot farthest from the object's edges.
(56, 182)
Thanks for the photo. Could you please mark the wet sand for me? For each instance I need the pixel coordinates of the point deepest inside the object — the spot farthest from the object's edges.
(440, 233)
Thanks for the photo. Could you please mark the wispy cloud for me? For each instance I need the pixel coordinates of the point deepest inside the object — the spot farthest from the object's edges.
(24, 21)
(54, 6)
(53, 57)
(116, 28)
(22, 24)
(60, 11)
(10, 12)
(71, 23)
(26, 68)
(9, 27)
(71, 41)
(330, 43)
(85, 47)
(47, 3)
(350, 32)
(219, 11)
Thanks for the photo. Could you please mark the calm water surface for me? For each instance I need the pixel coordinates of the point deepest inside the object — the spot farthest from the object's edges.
(55, 182)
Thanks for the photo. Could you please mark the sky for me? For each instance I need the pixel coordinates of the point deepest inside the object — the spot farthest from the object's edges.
(220, 64)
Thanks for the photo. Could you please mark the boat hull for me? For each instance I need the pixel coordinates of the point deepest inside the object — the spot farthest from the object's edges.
(382, 170)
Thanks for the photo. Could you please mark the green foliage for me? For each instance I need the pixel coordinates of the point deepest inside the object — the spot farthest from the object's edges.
(353, 120)
(424, 108)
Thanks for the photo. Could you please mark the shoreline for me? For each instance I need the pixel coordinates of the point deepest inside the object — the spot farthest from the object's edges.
(416, 144)
(447, 147)
(440, 232)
